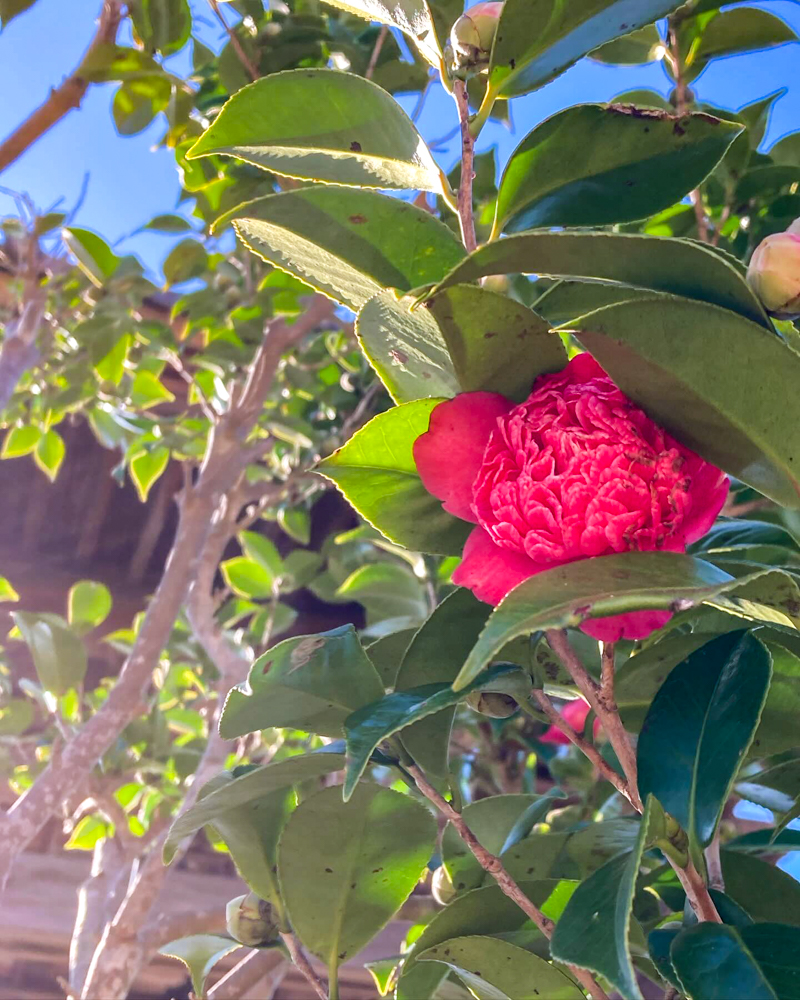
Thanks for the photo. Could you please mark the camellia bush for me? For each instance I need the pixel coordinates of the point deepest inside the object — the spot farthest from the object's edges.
(567, 417)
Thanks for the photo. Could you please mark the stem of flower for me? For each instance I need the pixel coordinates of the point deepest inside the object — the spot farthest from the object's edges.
(300, 959)
(494, 866)
(464, 201)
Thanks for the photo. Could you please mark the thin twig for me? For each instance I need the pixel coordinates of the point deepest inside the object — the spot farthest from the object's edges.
(495, 867)
(241, 979)
(238, 48)
(465, 216)
(714, 864)
(376, 51)
(300, 959)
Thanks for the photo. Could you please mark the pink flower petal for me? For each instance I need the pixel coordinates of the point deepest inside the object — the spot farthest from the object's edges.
(449, 454)
(490, 571)
(709, 491)
(634, 625)
(574, 713)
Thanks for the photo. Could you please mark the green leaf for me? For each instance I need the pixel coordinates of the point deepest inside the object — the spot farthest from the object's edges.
(386, 591)
(185, 261)
(20, 441)
(715, 961)
(760, 888)
(57, 652)
(137, 102)
(306, 682)
(148, 391)
(507, 972)
(538, 39)
(7, 592)
(412, 17)
(111, 367)
(11, 8)
(167, 224)
(482, 911)
(642, 46)
(200, 953)
(88, 604)
(596, 164)
(321, 124)
(348, 244)
(162, 25)
(94, 256)
(787, 150)
(496, 344)
(777, 730)
(146, 468)
(264, 551)
(703, 719)
(371, 724)
(680, 267)
(88, 832)
(593, 930)
(387, 654)
(345, 869)
(296, 523)
(49, 453)
(434, 656)
(406, 349)
(376, 472)
(247, 578)
(764, 841)
(734, 415)
(567, 595)
(742, 30)
(16, 715)
(249, 787)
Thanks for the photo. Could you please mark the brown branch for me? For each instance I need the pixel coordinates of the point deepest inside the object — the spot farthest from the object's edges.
(244, 59)
(240, 980)
(376, 51)
(495, 867)
(64, 98)
(300, 959)
(464, 201)
(714, 864)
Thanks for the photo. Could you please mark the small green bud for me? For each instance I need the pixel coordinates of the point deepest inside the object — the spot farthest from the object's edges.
(442, 886)
(251, 921)
(472, 36)
(492, 704)
(774, 272)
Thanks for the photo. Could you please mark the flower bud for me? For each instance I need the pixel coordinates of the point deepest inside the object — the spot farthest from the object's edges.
(472, 35)
(492, 703)
(774, 272)
(442, 886)
(251, 921)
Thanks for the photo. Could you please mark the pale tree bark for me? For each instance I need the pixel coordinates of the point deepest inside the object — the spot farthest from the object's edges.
(256, 977)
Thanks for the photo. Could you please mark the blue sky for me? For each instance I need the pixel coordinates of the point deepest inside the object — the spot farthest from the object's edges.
(130, 180)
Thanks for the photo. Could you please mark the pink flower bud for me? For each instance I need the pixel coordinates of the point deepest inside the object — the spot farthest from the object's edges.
(473, 34)
(774, 272)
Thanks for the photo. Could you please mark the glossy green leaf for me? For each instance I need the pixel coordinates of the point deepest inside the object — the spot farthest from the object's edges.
(760, 888)
(406, 349)
(641, 46)
(254, 784)
(57, 652)
(20, 441)
(596, 164)
(412, 17)
(482, 911)
(367, 727)
(94, 256)
(306, 682)
(734, 415)
(321, 124)
(716, 962)
(88, 604)
(493, 969)
(296, 523)
(376, 472)
(703, 719)
(200, 953)
(435, 656)
(146, 468)
(346, 868)
(496, 344)
(348, 244)
(49, 453)
(593, 932)
(567, 595)
(262, 550)
(247, 578)
(680, 267)
(538, 39)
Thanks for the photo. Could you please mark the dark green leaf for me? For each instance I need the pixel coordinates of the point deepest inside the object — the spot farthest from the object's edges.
(185, 261)
(346, 868)
(376, 472)
(761, 889)
(496, 344)
(493, 969)
(567, 595)
(703, 720)
(349, 244)
(307, 682)
(638, 47)
(321, 124)
(734, 415)
(596, 164)
(594, 929)
(168, 224)
(57, 652)
(742, 30)
(251, 786)
(367, 727)
(387, 654)
(680, 267)
(11, 8)
(162, 25)
(764, 841)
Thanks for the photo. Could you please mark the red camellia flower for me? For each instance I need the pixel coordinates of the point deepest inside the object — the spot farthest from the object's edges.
(574, 712)
(576, 471)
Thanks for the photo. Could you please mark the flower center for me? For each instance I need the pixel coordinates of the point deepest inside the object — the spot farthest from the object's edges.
(579, 470)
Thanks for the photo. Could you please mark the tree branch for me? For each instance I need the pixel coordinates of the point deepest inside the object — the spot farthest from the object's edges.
(300, 959)
(494, 866)
(240, 980)
(64, 98)
(238, 48)
(464, 202)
